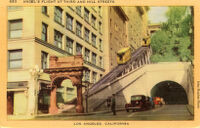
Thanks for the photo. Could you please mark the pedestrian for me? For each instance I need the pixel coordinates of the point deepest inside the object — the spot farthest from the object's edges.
(113, 104)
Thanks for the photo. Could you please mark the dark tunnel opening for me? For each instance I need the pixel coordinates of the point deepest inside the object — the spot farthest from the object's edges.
(171, 92)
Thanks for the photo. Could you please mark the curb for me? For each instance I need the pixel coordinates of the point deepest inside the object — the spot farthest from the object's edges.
(190, 109)
(77, 114)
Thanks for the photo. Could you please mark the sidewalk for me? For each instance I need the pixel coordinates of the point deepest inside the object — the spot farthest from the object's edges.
(28, 117)
(20, 117)
(78, 114)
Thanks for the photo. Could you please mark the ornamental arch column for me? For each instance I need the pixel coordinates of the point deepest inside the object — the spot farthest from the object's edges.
(66, 68)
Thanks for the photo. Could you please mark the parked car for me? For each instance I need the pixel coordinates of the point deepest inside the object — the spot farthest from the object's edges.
(150, 99)
(139, 102)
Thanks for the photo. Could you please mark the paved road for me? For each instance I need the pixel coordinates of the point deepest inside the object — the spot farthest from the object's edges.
(166, 112)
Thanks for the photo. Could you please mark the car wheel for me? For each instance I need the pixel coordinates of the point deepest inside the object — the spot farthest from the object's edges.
(127, 110)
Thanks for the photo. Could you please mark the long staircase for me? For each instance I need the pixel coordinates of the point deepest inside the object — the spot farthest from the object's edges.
(106, 84)
(118, 70)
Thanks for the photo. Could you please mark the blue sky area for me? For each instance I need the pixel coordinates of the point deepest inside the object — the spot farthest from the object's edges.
(157, 14)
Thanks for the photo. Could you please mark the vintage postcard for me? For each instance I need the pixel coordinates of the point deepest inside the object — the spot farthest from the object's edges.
(99, 63)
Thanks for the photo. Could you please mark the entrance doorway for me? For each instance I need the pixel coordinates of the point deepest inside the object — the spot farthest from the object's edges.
(10, 102)
(44, 98)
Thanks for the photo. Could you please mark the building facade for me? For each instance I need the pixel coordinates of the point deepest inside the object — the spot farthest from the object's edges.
(115, 34)
(137, 25)
(35, 34)
(153, 28)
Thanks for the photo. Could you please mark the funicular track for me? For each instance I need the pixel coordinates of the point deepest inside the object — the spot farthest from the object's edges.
(115, 72)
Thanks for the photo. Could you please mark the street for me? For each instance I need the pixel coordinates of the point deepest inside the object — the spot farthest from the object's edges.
(165, 112)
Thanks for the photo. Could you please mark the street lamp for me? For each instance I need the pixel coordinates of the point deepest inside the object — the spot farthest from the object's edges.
(35, 72)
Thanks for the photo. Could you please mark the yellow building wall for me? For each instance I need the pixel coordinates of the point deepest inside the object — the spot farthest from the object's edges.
(20, 103)
(28, 23)
(49, 20)
(115, 29)
(28, 60)
(106, 38)
(137, 25)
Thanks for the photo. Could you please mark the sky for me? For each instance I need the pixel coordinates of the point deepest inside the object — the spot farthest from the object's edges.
(157, 14)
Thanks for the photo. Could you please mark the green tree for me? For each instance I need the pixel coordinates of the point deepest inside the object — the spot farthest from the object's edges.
(174, 42)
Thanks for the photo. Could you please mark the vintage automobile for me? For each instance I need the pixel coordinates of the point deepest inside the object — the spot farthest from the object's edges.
(158, 101)
(139, 102)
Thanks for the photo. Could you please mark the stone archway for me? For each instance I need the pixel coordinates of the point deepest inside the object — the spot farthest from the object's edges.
(172, 92)
(66, 68)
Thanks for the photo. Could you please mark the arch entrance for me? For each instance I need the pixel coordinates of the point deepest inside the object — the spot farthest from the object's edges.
(65, 68)
(171, 92)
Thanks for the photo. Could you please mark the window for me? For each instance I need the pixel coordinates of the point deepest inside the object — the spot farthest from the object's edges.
(15, 59)
(100, 45)
(93, 40)
(58, 39)
(93, 21)
(44, 58)
(100, 27)
(86, 15)
(87, 54)
(69, 45)
(94, 77)
(78, 49)
(15, 28)
(44, 31)
(78, 29)
(10, 8)
(94, 58)
(69, 22)
(87, 32)
(44, 9)
(100, 62)
(87, 75)
(58, 14)
(78, 10)
(100, 11)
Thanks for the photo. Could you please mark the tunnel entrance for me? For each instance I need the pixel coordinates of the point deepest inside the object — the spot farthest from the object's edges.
(171, 92)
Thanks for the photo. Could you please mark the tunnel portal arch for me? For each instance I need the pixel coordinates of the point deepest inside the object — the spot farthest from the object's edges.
(172, 92)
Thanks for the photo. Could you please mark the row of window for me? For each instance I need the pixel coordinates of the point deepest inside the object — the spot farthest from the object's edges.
(79, 30)
(78, 33)
(79, 51)
(89, 16)
(15, 58)
(15, 62)
(94, 76)
(86, 11)
(69, 22)
(15, 31)
(58, 38)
